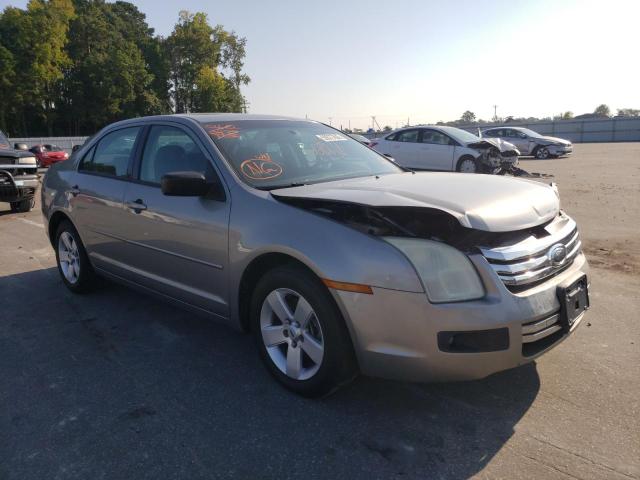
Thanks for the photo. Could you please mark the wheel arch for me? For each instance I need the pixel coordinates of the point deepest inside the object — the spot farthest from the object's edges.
(463, 157)
(56, 219)
(252, 274)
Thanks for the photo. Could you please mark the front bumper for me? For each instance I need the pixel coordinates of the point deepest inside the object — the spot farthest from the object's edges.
(560, 149)
(395, 333)
(16, 188)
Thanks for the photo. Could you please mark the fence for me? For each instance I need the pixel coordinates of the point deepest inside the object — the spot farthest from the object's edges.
(578, 131)
(66, 143)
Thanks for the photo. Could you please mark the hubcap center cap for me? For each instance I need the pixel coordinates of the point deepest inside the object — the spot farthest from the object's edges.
(295, 331)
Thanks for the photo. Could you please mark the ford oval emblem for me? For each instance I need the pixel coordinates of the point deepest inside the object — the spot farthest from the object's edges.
(557, 255)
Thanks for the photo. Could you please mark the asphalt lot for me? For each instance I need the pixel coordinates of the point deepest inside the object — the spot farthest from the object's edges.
(117, 385)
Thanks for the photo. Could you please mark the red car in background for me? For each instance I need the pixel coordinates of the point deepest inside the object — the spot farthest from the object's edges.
(47, 155)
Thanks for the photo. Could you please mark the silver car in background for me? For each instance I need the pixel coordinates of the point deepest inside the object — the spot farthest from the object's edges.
(530, 142)
(336, 259)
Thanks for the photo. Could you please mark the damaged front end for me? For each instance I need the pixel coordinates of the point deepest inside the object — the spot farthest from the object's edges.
(519, 258)
(496, 155)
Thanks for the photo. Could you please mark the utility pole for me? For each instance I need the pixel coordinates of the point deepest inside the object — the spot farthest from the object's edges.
(495, 113)
(330, 118)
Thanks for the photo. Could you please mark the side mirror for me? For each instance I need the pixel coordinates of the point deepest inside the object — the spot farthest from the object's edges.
(184, 184)
(75, 148)
(20, 146)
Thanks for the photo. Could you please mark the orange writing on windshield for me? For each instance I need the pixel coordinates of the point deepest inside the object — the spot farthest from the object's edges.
(262, 167)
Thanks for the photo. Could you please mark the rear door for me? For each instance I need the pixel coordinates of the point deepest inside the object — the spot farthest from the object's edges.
(436, 150)
(97, 193)
(177, 246)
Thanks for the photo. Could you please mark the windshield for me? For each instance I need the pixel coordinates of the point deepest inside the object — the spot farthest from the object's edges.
(4, 141)
(270, 154)
(460, 135)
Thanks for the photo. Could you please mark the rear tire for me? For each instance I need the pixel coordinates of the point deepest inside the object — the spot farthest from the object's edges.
(300, 333)
(73, 263)
(23, 206)
(467, 164)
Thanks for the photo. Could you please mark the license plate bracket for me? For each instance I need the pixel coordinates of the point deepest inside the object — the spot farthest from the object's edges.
(574, 300)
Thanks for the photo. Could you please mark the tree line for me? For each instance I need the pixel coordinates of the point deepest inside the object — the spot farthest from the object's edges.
(601, 111)
(70, 67)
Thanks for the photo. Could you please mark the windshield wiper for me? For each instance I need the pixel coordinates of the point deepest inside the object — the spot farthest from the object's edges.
(288, 185)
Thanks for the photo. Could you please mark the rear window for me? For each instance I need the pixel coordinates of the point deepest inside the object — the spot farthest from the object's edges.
(270, 154)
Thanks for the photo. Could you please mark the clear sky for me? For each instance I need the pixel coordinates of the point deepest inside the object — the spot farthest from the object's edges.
(427, 60)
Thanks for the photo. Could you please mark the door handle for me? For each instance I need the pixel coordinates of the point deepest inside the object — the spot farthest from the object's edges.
(75, 190)
(137, 205)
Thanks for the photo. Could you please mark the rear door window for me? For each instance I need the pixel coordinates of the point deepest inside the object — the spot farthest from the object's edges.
(112, 154)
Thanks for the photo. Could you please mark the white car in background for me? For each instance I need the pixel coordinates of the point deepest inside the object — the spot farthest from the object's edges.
(530, 142)
(447, 149)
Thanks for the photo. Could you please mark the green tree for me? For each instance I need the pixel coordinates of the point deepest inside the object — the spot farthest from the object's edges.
(567, 115)
(468, 117)
(210, 93)
(7, 82)
(49, 24)
(603, 110)
(15, 39)
(109, 80)
(200, 55)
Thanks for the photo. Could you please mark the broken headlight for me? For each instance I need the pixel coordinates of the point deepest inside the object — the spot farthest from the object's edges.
(446, 273)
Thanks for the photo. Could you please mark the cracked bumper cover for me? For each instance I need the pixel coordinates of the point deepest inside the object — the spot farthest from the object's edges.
(395, 333)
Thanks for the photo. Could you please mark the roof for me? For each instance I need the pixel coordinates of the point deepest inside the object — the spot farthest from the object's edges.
(233, 117)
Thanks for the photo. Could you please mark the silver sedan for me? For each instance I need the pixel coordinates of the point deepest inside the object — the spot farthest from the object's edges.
(336, 259)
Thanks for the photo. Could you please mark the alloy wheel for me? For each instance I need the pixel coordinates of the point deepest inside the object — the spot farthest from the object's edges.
(69, 257)
(542, 153)
(468, 166)
(291, 334)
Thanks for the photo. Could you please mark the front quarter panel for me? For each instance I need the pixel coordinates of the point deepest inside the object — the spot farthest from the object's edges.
(260, 224)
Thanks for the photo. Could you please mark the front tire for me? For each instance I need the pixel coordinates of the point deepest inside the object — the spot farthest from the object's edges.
(23, 206)
(73, 262)
(542, 153)
(467, 164)
(300, 334)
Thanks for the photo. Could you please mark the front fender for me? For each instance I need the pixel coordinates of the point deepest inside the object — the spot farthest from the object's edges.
(261, 224)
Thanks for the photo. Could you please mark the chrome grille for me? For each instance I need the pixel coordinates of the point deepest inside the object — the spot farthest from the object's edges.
(531, 259)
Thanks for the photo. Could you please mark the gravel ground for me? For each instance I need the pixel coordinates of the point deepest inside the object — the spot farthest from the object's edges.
(117, 385)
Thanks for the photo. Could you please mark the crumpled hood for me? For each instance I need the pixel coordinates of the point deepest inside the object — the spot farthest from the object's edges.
(500, 144)
(484, 202)
(556, 140)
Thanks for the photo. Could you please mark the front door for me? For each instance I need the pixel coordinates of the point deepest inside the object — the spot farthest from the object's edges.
(404, 149)
(519, 139)
(177, 246)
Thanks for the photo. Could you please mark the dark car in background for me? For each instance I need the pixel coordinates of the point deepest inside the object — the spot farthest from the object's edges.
(47, 155)
(18, 176)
